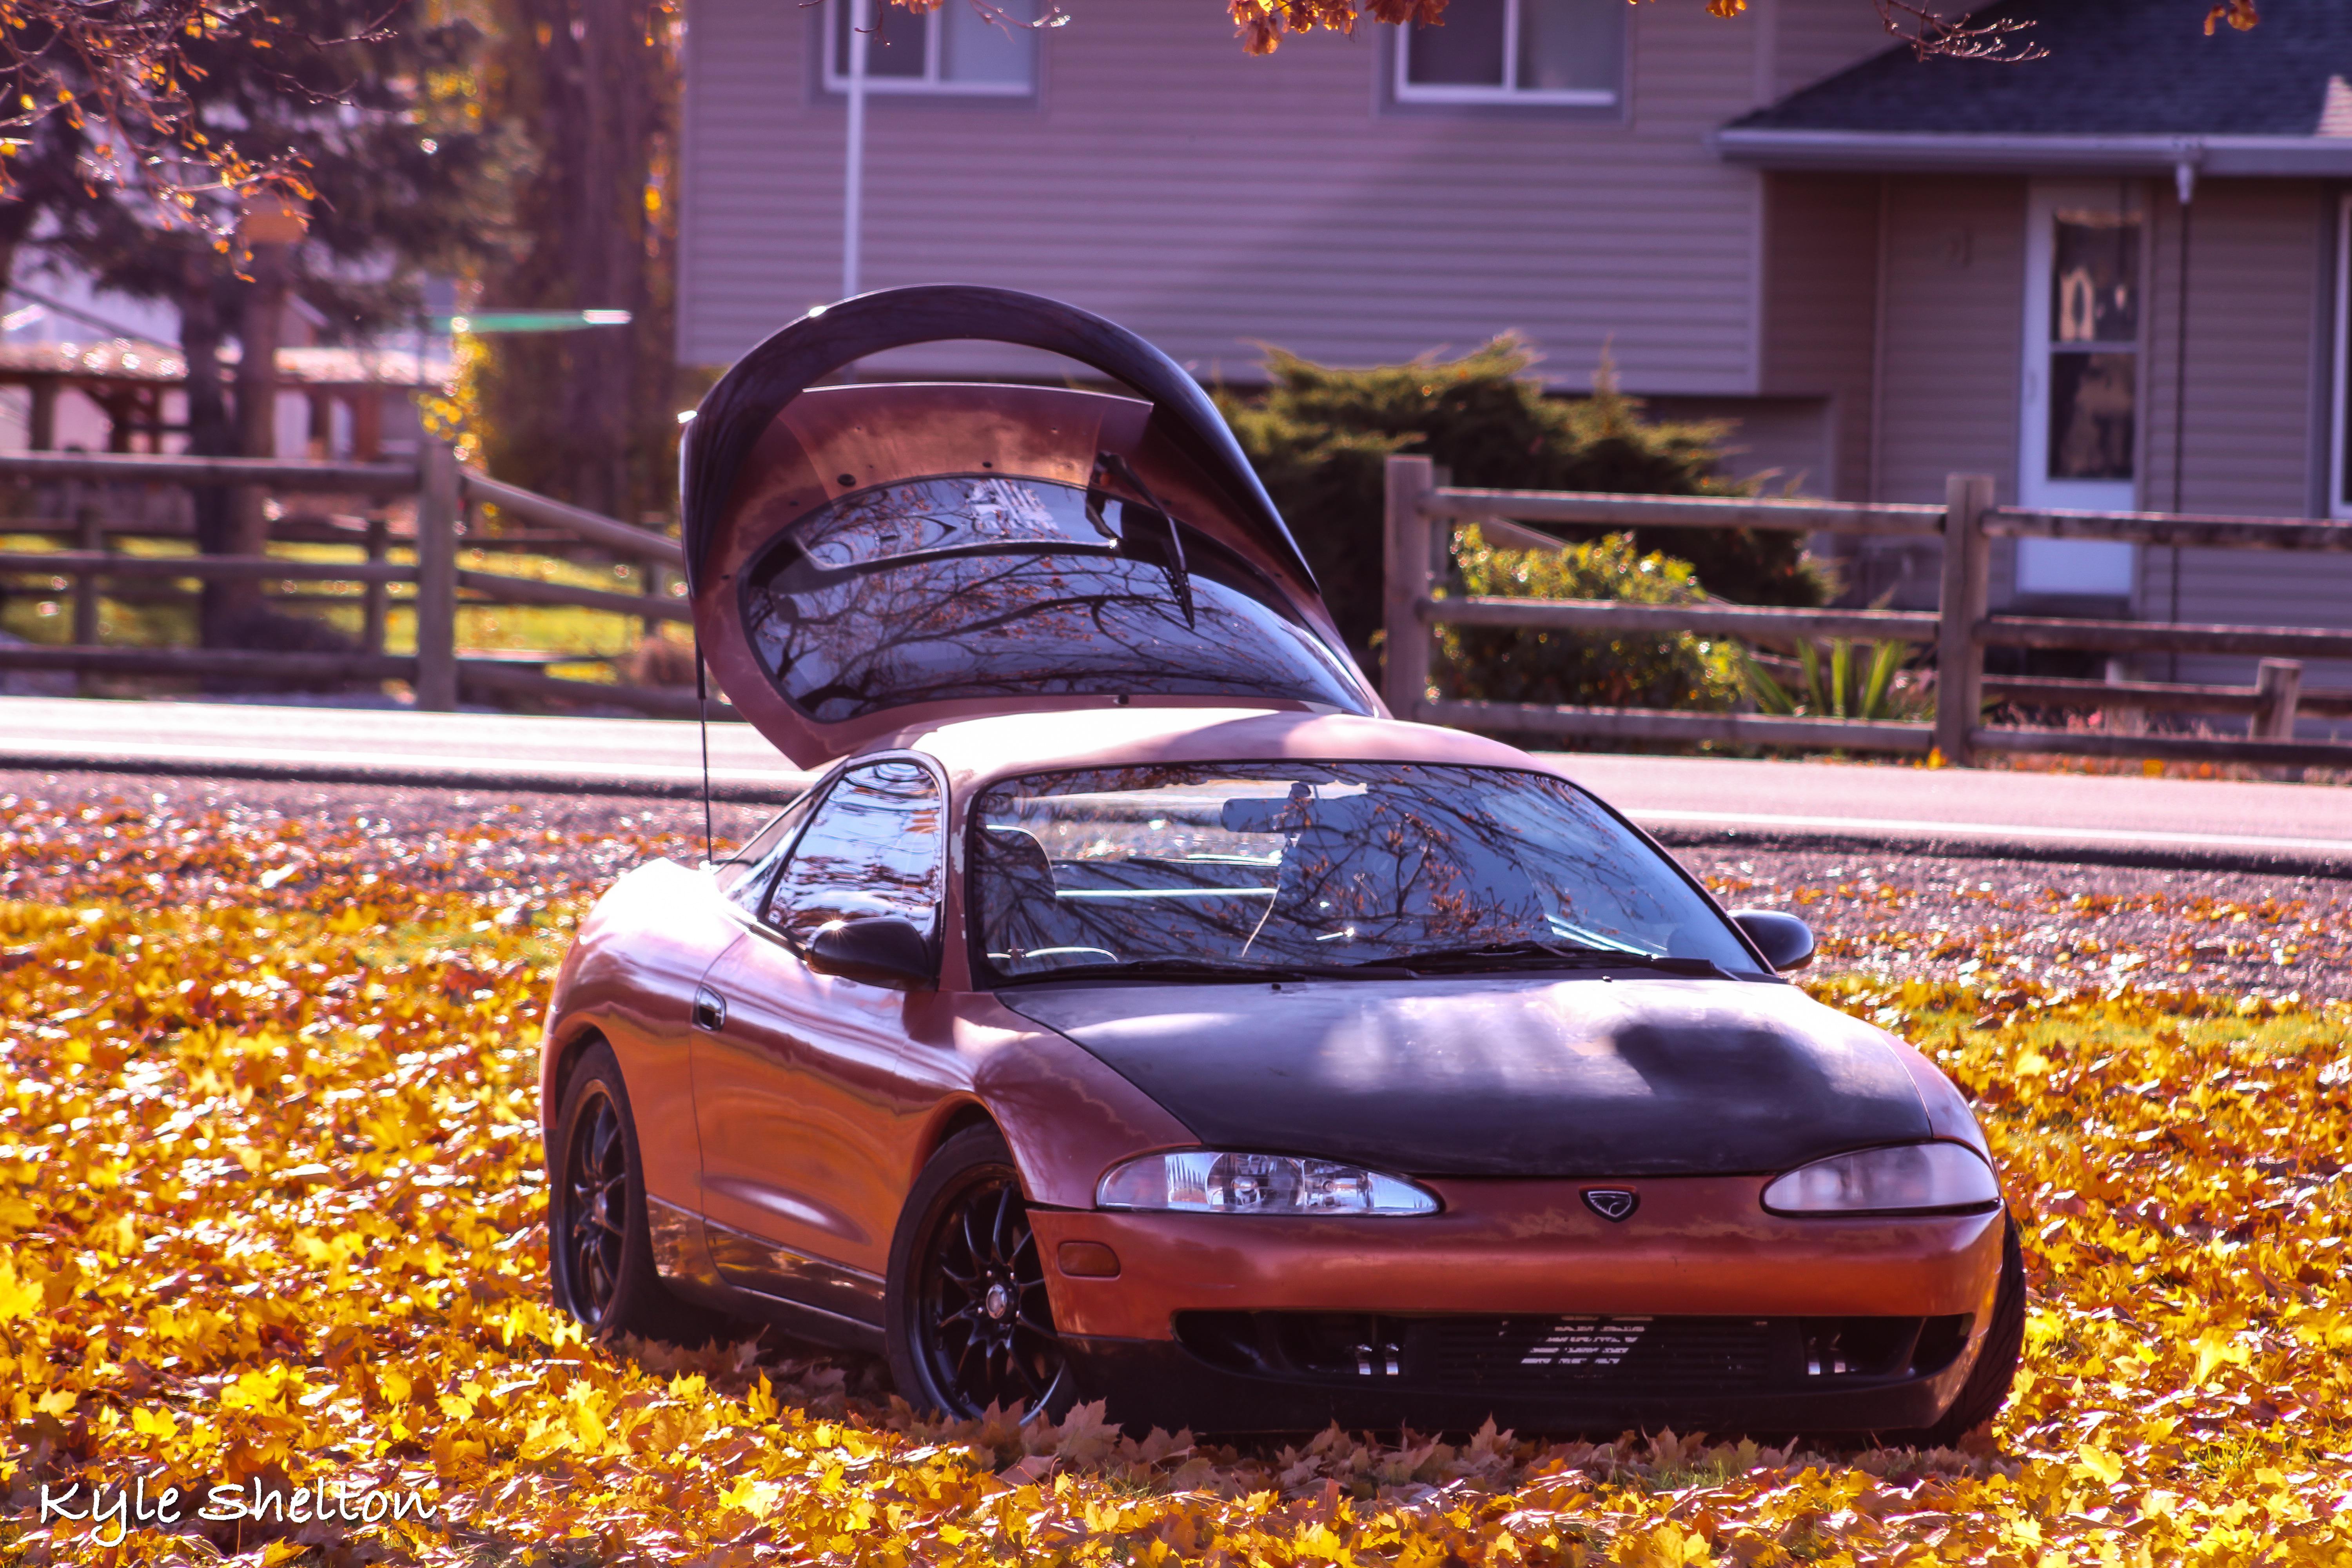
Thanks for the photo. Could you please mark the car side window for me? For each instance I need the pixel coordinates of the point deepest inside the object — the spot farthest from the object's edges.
(872, 847)
(744, 875)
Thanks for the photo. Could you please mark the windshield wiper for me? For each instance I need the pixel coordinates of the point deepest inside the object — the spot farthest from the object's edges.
(1546, 955)
(1209, 969)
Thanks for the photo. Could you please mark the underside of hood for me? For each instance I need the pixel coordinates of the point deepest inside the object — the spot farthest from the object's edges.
(1520, 1077)
(868, 556)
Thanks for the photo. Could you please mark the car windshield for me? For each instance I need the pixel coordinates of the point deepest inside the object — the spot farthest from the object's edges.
(1326, 867)
(977, 586)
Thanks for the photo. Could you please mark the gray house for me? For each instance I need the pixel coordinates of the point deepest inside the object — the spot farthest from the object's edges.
(2113, 277)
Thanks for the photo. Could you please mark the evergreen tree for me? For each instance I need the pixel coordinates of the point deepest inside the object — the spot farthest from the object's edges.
(1320, 436)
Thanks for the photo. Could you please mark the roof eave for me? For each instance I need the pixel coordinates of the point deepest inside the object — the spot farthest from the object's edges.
(1963, 152)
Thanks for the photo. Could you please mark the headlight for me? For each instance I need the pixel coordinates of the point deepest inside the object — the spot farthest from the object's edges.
(1914, 1178)
(1203, 1181)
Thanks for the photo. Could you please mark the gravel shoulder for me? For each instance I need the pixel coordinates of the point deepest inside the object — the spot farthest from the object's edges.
(67, 835)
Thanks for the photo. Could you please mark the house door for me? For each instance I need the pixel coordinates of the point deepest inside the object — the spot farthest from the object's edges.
(2085, 274)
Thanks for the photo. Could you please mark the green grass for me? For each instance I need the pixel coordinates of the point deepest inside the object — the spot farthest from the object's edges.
(42, 612)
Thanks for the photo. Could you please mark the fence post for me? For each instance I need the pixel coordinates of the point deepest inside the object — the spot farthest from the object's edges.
(2280, 686)
(1405, 583)
(1960, 658)
(87, 537)
(437, 505)
(375, 598)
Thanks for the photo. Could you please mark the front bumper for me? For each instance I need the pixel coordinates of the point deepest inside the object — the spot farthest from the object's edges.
(1698, 1257)
(1161, 1383)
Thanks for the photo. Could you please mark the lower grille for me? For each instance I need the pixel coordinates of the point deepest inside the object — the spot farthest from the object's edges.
(1649, 1352)
(1618, 1355)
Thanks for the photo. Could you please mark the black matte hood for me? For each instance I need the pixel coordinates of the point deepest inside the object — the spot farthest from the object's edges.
(1517, 1077)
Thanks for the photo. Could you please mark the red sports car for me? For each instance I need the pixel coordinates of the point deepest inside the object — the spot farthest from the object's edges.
(1134, 1010)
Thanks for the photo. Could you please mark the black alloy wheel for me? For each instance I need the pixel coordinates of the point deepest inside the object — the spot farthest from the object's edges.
(595, 1208)
(971, 1324)
(600, 1245)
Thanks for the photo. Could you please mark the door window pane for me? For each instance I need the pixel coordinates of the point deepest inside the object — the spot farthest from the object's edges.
(872, 848)
(2094, 278)
(1566, 46)
(1465, 50)
(2091, 423)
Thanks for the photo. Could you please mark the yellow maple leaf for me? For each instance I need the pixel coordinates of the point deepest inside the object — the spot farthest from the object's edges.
(2097, 1462)
(18, 1297)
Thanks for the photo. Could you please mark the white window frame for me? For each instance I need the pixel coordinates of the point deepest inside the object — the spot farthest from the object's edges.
(1409, 91)
(837, 13)
(2082, 567)
(2339, 466)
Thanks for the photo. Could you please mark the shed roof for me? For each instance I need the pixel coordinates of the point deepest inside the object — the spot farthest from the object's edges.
(2123, 83)
(124, 361)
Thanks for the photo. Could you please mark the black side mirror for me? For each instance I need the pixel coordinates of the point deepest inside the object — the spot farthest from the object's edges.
(1786, 941)
(881, 949)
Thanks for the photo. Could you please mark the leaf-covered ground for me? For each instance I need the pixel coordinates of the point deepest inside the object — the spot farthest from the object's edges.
(269, 1213)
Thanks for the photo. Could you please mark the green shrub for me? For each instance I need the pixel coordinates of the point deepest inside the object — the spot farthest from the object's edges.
(1627, 669)
(1320, 438)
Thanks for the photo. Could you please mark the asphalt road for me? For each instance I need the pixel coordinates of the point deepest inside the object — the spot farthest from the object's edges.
(369, 745)
(1684, 800)
(2103, 818)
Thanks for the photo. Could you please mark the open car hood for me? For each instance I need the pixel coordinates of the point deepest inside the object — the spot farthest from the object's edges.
(1526, 1076)
(864, 558)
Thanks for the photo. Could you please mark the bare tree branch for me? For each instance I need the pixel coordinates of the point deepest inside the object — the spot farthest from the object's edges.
(1934, 36)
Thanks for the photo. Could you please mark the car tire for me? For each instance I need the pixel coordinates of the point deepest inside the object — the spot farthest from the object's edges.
(970, 1324)
(600, 1251)
(1987, 1388)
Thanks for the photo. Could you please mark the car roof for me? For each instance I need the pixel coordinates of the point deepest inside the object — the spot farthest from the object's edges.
(977, 751)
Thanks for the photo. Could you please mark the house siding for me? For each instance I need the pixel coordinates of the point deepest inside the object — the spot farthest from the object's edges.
(1949, 365)
(2255, 432)
(1821, 310)
(1816, 38)
(1208, 199)
(1955, 326)
(1952, 330)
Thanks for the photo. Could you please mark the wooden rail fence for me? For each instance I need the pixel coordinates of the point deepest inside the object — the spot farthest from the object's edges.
(444, 498)
(1421, 516)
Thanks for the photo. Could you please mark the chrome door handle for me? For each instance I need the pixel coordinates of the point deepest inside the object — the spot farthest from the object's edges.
(710, 1009)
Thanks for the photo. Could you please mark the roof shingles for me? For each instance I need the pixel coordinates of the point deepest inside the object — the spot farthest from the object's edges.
(2113, 68)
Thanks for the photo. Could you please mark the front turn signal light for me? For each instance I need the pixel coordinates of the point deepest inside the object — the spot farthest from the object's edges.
(1907, 1178)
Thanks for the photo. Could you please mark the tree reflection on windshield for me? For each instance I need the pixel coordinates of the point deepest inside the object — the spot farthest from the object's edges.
(1287, 865)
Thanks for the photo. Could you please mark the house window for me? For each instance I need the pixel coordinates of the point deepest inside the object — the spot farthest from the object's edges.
(2085, 283)
(1570, 52)
(2339, 491)
(958, 46)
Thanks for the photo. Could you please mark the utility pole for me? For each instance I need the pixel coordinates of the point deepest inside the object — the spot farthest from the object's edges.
(857, 16)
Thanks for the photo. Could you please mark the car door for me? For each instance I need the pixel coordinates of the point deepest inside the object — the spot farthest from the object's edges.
(796, 1074)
